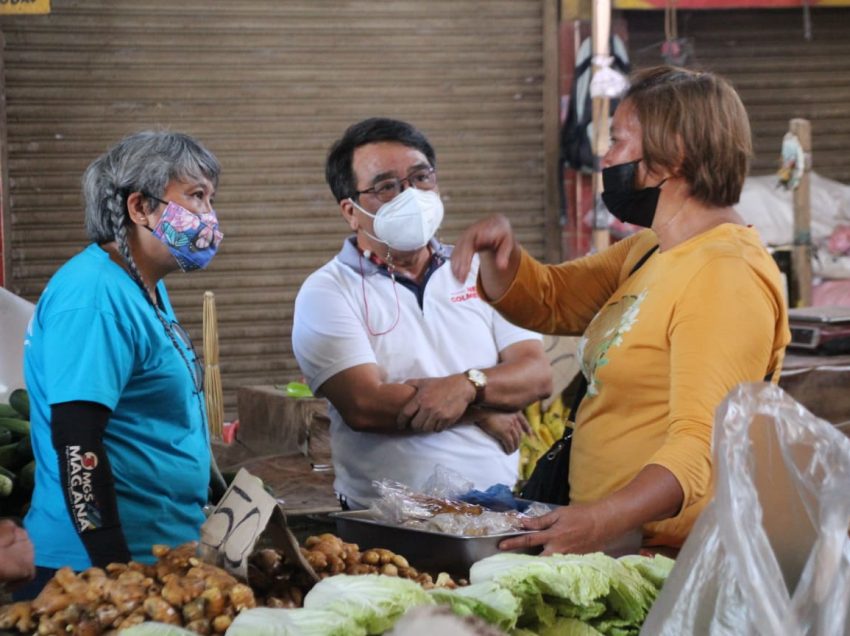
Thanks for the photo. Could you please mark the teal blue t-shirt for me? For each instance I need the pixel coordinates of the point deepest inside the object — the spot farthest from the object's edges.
(95, 337)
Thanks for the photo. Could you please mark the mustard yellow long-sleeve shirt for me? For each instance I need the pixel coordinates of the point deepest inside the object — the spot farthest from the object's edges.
(660, 350)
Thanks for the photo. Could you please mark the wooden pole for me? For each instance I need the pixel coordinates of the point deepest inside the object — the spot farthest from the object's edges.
(5, 209)
(801, 256)
(579, 177)
(551, 139)
(601, 35)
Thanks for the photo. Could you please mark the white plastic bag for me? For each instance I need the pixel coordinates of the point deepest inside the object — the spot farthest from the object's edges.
(15, 313)
(770, 554)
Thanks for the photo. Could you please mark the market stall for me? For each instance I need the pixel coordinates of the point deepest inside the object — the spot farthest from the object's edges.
(278, 555)
(368, 573)
(238, 582)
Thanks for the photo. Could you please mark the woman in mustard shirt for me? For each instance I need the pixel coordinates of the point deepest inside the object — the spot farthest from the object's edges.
(660, 348)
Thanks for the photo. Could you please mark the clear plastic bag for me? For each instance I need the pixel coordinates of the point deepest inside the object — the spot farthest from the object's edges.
(770, 554)
(442, 505)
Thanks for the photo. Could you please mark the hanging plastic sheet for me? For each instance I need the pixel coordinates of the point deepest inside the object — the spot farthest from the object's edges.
(15, 314)
(770, 554)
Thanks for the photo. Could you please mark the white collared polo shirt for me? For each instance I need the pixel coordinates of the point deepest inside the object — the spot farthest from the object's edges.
(346, 314)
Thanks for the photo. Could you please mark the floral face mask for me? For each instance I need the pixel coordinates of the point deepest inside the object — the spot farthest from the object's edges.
(192, 239)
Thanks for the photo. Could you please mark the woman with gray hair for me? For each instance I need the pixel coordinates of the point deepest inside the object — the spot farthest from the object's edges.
(117, 407)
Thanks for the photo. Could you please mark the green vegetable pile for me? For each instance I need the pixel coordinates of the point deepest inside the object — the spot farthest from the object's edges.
(576, 595)
(17, 466)
(523, 595)
(340, 605)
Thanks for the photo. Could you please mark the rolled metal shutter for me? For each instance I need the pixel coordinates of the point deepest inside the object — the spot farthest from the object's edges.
(268, 86)
(778, 73)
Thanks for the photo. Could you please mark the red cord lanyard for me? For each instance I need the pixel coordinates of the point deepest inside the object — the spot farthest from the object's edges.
(366, 302)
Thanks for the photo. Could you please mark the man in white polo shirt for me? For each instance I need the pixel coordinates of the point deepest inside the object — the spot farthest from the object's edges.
(418, 370)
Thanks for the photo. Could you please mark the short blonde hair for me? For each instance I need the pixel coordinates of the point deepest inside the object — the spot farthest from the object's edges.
(695, 125)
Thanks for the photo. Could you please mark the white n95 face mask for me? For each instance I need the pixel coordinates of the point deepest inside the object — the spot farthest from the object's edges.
(409, 221)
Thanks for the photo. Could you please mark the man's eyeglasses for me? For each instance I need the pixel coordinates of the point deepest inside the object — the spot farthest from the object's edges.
(388, 189)
(195, 366)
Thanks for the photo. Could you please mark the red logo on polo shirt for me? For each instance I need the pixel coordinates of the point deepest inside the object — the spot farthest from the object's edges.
(465, 294)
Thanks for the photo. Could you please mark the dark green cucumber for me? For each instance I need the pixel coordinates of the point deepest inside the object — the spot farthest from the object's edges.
(23, 450)
(26, 476)
(7, 483)
(17, 426)
(20, 401)
(9, 457)
(7, 410)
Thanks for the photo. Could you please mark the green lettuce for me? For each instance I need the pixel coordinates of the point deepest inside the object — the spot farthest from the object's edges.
(561, 627)
(615, 626)
(654, 569)
(487, 600)
(267, 621)
(536, 581)
(608, 595)
(568, 609)
(375, 602)
(630, 595)
(569, 627)
(563, 576)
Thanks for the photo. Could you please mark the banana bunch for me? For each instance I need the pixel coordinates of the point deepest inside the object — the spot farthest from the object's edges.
(546, 428)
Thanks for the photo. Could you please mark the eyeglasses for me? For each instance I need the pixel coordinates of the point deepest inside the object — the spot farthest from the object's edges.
(195, 366)
(388, 189)
(157, 199)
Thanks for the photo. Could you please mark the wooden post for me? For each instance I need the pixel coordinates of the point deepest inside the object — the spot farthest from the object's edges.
(601, 35)
(801, 256)
(551, 139)
(5, 210)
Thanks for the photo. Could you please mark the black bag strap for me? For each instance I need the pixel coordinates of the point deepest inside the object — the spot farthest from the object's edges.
(579, 396)
(643, 260)
(582, 385)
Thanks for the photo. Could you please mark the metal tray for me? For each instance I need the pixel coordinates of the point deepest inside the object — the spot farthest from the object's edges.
(425, 550)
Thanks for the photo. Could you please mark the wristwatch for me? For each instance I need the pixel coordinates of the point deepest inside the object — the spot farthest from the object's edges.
(479, 380)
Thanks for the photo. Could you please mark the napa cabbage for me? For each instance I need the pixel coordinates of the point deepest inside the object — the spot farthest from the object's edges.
(375, 602)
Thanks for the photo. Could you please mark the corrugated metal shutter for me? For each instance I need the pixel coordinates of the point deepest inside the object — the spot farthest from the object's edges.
(778, 74)
(268, 86)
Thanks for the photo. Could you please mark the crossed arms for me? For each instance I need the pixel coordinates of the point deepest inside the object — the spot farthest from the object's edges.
(424, 405)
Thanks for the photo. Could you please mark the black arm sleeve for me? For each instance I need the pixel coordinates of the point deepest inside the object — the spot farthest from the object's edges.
(86, 476)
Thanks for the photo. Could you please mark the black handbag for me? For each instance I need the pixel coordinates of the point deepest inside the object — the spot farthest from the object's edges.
(549, 481)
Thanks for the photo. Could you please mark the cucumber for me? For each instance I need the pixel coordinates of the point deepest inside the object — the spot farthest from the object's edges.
(17, 426)
(26, 477)
(7, 484)
(7, 410)
(5, 436)
(20, 401)
(23, 451)
(9, 456)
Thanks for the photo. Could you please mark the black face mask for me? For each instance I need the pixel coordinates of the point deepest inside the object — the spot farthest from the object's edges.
(623, 201)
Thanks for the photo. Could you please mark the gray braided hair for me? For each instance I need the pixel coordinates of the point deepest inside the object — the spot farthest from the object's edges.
(143, 162)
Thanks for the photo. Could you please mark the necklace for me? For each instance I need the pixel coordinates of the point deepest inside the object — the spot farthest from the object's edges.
(152, 296)
(196, 372)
